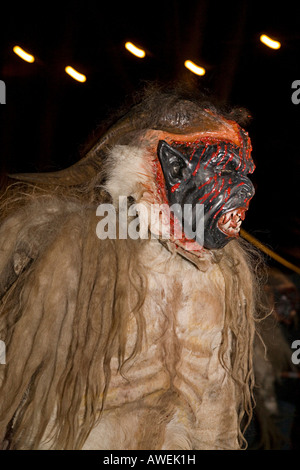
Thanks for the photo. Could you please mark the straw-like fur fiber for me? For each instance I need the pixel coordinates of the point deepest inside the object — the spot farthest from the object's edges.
(118, 344)
(76, 334)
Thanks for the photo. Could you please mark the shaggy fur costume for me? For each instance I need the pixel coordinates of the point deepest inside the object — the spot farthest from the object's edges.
(119, 343)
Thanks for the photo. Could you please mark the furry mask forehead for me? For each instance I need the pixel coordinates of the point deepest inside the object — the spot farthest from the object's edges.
(213, 128)
(150, 120)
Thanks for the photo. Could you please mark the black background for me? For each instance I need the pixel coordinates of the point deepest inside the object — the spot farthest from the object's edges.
(49, 117)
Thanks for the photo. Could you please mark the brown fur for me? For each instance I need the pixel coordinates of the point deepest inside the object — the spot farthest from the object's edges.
(65, 316)
(79, 315)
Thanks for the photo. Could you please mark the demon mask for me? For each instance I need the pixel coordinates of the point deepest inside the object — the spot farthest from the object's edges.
(212, 173)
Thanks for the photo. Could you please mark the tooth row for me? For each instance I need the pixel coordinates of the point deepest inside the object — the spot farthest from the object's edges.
(227, 225)
(231, 215)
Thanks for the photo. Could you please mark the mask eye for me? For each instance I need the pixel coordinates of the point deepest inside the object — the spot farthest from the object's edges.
(226, 172)
(176, 167)
(227, 169)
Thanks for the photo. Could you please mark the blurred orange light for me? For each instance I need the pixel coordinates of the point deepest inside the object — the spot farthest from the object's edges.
(135, 50)
(74, 74)
(269, 42)
(24, 55)
(194, 68)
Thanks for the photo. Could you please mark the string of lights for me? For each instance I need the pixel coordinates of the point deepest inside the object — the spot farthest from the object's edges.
(199, 70)
(141, 54)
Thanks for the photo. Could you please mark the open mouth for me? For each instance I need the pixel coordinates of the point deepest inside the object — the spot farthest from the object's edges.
(230, 222)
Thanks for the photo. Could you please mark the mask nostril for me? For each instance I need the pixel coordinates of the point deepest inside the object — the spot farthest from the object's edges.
(246, 193)
(247, 189)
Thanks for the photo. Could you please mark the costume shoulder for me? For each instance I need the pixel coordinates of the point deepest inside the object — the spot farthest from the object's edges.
(48, 264)
(27, 232)
(61, 287)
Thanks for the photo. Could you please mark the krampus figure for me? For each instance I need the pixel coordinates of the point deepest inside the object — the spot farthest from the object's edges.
(132, 342)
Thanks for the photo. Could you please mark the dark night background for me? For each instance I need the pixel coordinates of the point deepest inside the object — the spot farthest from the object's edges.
(48, 117)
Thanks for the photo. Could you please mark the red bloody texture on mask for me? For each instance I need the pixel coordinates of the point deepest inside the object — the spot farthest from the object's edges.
(227, 135)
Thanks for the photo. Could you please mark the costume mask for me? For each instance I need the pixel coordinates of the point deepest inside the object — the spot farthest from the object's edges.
(210, 171)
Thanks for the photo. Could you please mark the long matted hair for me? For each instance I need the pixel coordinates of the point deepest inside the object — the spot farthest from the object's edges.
(66, 300)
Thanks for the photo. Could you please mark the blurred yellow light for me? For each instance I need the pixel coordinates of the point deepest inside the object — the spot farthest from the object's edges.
(74, 74)
(24, 55)
(269, 42)
(194, 68)
(135, 50)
